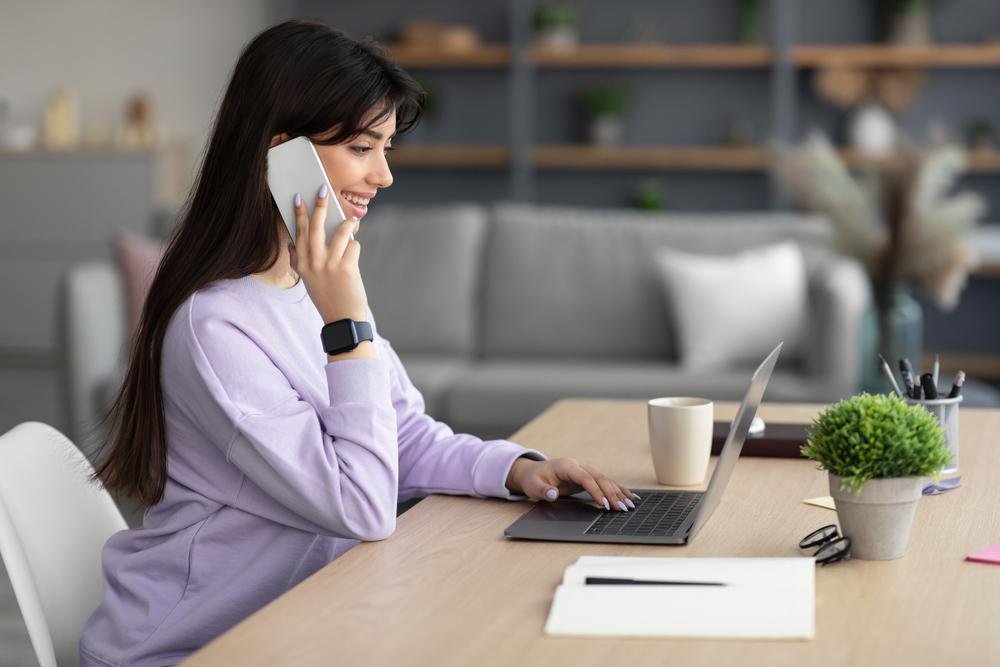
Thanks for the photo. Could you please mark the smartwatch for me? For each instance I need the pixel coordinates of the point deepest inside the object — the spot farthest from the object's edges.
(344, 335)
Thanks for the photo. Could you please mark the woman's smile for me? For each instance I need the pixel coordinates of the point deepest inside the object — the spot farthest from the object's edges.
(355, 203)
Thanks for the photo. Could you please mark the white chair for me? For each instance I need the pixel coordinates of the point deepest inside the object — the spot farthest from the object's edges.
(53, 525)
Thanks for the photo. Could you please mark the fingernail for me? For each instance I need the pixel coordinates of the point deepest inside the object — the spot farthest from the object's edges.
(298, 200)
(630, 504)
(551, 494)
(637, 496)
(622, 507)
(606, 505)
(322, 191)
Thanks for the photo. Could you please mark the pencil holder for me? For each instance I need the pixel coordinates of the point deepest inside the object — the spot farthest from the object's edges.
(946, 411)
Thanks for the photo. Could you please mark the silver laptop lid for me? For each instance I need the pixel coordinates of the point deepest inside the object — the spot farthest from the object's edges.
(734, 441)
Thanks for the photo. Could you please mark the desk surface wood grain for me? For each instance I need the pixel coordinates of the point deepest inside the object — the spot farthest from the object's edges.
(448, 589)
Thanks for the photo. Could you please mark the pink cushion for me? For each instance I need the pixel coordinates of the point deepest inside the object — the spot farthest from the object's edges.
(138, 256)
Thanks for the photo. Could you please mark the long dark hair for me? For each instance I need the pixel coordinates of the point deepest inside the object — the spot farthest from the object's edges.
(302, 78)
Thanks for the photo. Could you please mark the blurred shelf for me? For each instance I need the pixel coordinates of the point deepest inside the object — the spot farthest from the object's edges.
(83, 152)
(986, 241)
(980, 160)
(652, 55)
(979, 365)
(417, 155)
(487, 55)
(695, 158)
(957, 55)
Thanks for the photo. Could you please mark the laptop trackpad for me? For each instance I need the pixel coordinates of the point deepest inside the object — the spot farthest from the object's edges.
(565, 517)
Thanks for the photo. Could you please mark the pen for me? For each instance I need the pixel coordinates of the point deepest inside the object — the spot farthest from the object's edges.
(907, 372)
(648, 582)
(937, 368)
(888, 374)
(930, 389)
(956, 388)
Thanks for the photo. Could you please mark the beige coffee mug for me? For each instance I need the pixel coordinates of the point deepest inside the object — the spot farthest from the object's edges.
(680, 437)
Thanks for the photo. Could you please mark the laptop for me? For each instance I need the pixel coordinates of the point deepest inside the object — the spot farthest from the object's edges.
(659, 517)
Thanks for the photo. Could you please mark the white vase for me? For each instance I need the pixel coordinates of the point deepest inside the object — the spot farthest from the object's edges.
(563, 37)
(606, 130)
(872, 131)
(911, 27)
(879, 518)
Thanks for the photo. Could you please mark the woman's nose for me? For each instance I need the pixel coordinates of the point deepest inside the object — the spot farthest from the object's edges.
(381, 176)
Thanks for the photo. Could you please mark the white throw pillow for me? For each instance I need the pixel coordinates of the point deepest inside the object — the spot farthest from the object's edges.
(733, 309)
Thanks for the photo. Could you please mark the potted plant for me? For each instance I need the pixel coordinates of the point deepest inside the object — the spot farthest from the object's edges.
(909, 21)
(556, 25)
(876, 449)
(605, 105)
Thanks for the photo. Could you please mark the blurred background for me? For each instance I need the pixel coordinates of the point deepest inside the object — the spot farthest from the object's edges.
(106, 106)
(674, 106)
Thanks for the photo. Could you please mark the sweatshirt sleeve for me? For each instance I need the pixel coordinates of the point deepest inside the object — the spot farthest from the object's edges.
(336, 467)
(435, 459)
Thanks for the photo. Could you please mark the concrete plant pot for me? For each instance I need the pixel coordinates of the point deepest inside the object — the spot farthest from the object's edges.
(879, 518)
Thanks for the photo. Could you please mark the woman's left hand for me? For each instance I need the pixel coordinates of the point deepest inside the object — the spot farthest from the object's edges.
(547, 480)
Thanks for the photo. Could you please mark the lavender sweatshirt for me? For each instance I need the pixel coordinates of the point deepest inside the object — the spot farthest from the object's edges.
(277, 463)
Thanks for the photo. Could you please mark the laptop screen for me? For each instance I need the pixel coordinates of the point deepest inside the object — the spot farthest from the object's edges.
(734, 441)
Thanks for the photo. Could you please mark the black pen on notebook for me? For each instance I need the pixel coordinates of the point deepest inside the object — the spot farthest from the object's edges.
(620, 581)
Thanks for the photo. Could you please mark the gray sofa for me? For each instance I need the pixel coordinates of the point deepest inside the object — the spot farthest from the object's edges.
(498, 311)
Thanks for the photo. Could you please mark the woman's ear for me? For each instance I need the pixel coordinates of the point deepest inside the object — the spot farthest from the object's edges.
(278, 139)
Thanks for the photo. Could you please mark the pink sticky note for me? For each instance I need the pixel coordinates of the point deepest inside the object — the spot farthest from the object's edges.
(989, 555)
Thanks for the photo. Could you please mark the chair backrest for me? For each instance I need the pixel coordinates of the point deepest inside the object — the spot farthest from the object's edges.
(53, 525)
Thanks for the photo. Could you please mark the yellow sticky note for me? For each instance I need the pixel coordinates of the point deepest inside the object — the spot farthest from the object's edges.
(822, 501)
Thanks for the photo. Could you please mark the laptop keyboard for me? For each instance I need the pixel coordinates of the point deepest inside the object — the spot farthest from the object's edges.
(659, 513)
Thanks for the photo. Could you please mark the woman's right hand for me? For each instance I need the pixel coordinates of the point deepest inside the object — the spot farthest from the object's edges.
(330, 271)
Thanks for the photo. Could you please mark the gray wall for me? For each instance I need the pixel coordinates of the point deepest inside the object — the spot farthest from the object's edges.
(179, 52)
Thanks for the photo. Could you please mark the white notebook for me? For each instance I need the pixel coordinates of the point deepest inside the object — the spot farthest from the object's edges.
(765, 598)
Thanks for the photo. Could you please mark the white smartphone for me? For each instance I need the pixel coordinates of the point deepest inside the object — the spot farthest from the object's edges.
(294, 166)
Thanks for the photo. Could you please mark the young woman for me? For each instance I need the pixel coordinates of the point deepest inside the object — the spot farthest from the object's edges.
(259, 453)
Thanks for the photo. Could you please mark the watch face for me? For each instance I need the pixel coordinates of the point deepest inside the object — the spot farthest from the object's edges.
(340, 336)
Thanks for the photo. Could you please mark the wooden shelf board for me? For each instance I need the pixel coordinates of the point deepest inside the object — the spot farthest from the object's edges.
(875, 55)
(987, 269)
(487, 55)
(652, 55)
(590, 157)
(980, 161)
(450, 156)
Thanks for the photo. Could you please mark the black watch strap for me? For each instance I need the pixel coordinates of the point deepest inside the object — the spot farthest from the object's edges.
(345, 335)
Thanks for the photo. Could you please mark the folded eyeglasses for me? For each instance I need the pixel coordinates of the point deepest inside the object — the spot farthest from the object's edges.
(832, 547)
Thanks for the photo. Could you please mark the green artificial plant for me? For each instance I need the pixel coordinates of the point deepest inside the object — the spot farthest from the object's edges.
(874, 437)
(605, 100)
(555, 16)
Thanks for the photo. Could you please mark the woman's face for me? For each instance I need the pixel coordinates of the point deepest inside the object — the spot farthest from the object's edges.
(356, 169)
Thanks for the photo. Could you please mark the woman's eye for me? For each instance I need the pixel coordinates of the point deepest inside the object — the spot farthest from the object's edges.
(361, 150)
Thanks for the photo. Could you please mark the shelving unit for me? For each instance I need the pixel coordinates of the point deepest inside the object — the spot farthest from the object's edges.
(661, 56)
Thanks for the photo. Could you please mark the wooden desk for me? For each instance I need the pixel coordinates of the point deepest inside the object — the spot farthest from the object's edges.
(448, 589)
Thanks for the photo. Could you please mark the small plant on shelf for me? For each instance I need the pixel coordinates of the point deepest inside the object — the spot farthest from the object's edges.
(556, 25)
(605, 105)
